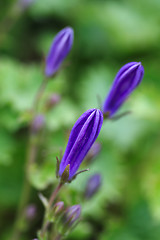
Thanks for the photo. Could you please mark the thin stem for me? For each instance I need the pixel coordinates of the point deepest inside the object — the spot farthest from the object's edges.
(54, 234)
(9, 21)
(39, 95)
(30, 159)
(54, 194)
(58, 237)
(51, 200)
(20, 218)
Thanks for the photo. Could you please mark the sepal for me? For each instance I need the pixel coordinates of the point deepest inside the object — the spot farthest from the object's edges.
(119, 116)
(65, 174)
(74, 177)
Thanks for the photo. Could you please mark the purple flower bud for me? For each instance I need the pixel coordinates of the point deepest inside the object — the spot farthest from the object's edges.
(25, 3)
(38, 123)
(84, 133)
(31, 211)
(71, 215)
(93, 152)
(60, 48)
(127, 79)
(93, 185)
(58, 208)
(53, 100)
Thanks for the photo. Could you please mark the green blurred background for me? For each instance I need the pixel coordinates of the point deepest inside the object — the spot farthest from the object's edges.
(108, 34)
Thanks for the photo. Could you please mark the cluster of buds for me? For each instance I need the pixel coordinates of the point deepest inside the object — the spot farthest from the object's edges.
(87, 128)
(126, 80)
(65, 219)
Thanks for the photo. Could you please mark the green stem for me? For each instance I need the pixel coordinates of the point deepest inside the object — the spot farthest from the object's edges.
(58, 237)
(54, 194)
(39, 95)
(31, 157)
(9, 21)
(50, 203)
(20, 218)
(54, 234)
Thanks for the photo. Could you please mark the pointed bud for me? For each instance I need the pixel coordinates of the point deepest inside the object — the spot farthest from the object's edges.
(31, 211)
(38, 123)
(127, 79)
(72, 215)
(84, 133)
(58, 208)
(53, 101)
(60, 48)
(24, 4)
(93, 185)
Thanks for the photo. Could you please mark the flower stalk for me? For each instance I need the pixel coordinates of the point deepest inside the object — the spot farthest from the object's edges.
(31, 157)
(48, 210)
(54, 194)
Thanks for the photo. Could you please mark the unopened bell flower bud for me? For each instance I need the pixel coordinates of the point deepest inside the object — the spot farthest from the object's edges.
(127, 79)
(72, 215)
(59, 50)
(38, 123)
(53, 101)
(31, 211)
(24, 4)
(84, 133)
(93, 185)
(58, 208)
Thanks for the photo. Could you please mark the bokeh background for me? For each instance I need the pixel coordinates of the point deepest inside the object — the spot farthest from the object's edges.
(108, 34)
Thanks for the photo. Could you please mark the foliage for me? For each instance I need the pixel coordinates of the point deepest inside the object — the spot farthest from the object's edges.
(108, 34)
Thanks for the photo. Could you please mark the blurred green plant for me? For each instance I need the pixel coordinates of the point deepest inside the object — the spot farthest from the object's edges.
(108, 34)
